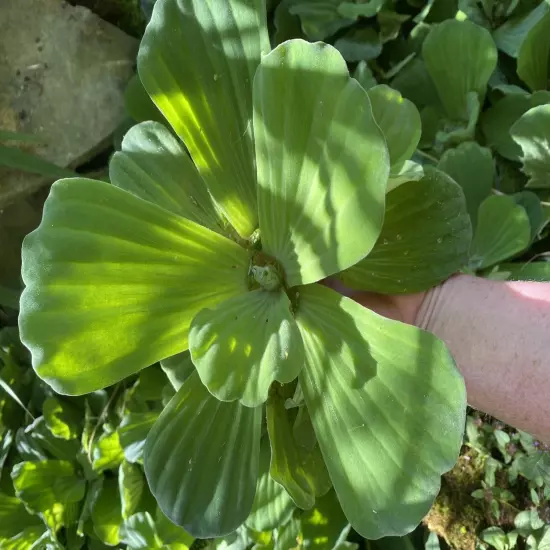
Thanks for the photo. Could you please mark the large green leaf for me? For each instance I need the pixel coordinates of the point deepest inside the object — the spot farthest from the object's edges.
(201, 460)
(178, 368)
(399, 121)
(48, 488)
(497, 121)
(472, 167)
(460, 57)
(534, 55)
(197, 60)
(503, 230)
(272, 506)
(380, 393)
(425, 238)
(113, 283)
(322, 162)
(300, 469)
(15, 519)
(154, 166)
(532, 133)
(244, 344)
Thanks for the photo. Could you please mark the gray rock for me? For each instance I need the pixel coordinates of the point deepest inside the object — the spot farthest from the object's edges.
(62, 76)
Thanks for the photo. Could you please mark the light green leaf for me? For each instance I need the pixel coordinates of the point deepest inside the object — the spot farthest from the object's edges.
(62, 420)
(272, 506)
(497, 121)
(139, 532)
(511, 34)
(399, 121)
(385, 463)
(322, 162)
(288, 535)
(299, 469)
(48, 488)
(26, 539)
(425, 238)
(130, 486)
(107, 452)
(472, 167)
(15, 519)
(133, 432)
(460, 57)
(113, 283)
(532, 133)
(154, 166)
(178, 368)
(107, 513)
(323, 525)
(209, 104)
(534, 55)
(503, 230)
(208, 493)
(359, 44)
(538, 217)
(15, 158)
(533, 271)
(244, 344)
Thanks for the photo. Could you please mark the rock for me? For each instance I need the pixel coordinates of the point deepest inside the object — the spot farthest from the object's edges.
(63, 71)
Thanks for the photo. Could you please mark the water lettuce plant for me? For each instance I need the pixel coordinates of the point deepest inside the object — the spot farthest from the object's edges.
(214, 236)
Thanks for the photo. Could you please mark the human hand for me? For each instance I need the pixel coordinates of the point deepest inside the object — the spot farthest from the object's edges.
(404, 307)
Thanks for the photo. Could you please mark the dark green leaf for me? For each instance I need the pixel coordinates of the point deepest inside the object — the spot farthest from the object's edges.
(201, 460)
(178, 368)
(472, 167)
(359, 44)
(272, 505)
(61, 419)
(363, 375)
(130, 485)
(534, 55)
(133, 432)
(139, 532)
(12, 157)
(425, 238)
(107, 513)
(503, 230)
(299, 469)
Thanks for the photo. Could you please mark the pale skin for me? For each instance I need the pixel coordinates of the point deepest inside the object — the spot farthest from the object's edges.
(499, 335)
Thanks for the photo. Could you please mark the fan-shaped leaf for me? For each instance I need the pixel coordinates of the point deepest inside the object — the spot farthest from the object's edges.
(472, 167)
(532, 133)
(460, 57)
(272, 505)
(363, 376)
(209, 103)
(399, 121)
(113, 283)
(298, 468)
(425, 238)
(154, 166)
(201, 460)
(322, 162)
(245, 343)
(534, 55)
(503, 230)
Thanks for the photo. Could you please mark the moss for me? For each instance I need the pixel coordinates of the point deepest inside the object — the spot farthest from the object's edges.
(455, 515)
(125, 14)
